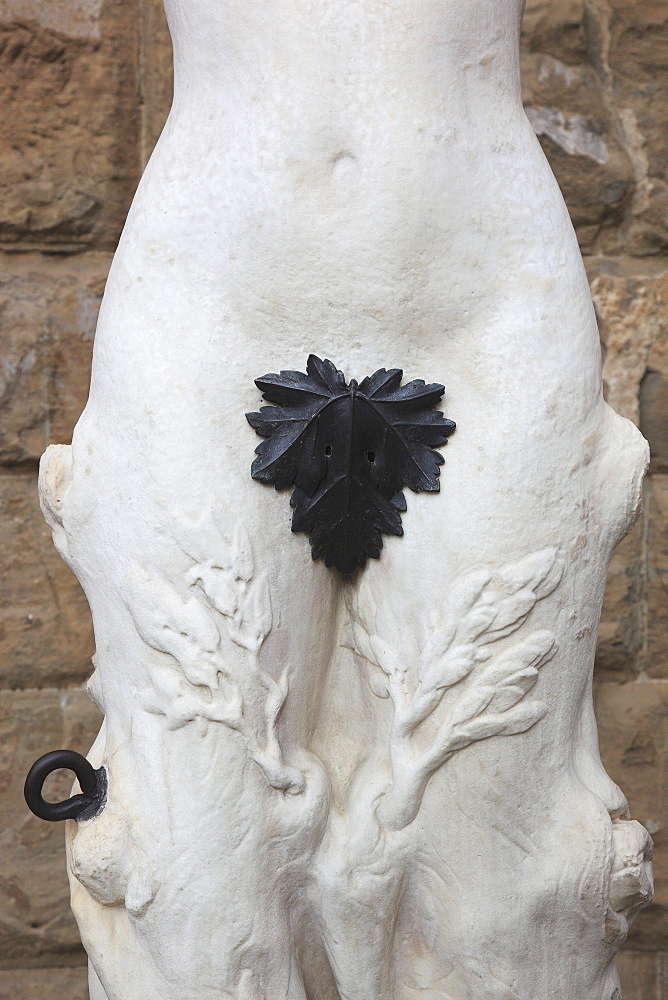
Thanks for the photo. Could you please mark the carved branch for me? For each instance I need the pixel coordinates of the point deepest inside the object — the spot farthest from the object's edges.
(224, 600)
(485, 691)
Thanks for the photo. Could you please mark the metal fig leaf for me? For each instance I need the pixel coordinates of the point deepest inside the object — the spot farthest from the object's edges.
(349, 450)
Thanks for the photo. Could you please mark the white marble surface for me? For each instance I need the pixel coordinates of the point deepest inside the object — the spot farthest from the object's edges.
(388, 787)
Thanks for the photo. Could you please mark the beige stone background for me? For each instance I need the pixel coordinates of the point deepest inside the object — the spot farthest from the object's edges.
(85, 89)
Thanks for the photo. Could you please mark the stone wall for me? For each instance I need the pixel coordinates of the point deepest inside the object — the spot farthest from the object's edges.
(85, 90)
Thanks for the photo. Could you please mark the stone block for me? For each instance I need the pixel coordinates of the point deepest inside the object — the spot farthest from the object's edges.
(155, 73)
(70, 122)
(631, 301)
(577, 133)
(556, 27)
(643, 975)
(654, 417)
(595, 78)
(45, 984)
(46, 636)
(657, 580)
(620, 632)
(633, 729)
(48, 312)
(636, 43)
(36, 925)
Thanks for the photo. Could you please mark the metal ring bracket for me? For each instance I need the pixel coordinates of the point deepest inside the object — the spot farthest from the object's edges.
(83, 806)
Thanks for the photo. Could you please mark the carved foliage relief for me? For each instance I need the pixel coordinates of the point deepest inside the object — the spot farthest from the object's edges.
(222, 601)
(214, 626)
(460, 680)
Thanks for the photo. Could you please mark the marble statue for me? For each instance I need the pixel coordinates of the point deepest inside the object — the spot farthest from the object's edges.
(384, 784)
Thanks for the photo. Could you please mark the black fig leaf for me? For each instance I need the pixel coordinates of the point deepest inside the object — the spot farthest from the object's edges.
(349, 451)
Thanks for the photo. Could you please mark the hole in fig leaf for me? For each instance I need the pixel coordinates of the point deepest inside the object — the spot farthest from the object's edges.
(371, 456)
(328, 450)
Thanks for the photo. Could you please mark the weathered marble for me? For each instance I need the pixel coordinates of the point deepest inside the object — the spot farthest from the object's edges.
(387, 785)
